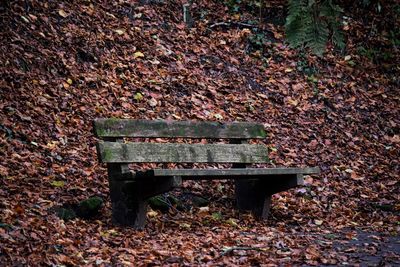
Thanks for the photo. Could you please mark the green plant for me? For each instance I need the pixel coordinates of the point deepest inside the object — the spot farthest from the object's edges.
(312, 23)
(375, 54)
(233, 5)
(369, 53)
(304, 66)
(256, 41)
(394, 37)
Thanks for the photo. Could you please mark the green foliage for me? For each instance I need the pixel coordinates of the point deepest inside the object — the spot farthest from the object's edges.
(256, 41)
(303, 65)
(375, 54)
(160, 203)
(233, 5)
(368, 3)
(65, 213)
(312, 23)
(90, 207)
(394, 37)
(6, 226)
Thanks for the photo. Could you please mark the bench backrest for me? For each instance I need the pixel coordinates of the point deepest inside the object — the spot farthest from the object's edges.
(110, 151)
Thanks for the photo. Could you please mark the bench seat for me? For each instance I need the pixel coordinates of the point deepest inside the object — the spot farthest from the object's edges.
(235, 173)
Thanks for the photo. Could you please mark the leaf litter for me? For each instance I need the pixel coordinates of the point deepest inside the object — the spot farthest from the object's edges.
(66, 63)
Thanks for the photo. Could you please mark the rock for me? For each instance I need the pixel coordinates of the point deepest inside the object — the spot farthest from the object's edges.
(65, 214)
(85, 209)
(164, 202)
(159, 203)
(199, 201)
(181, 202)
(176, 202)
(90, 207)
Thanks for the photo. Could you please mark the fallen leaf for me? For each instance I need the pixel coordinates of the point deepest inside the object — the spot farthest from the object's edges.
(152, 213)
(185, 225)
(33, 17)
(25, 19)
(204, 209)
(152, 102)
(278, 35)
(217, 216)
(19, 209)
(293, 102)
(138, 96)
(62, 13)
(52, 144)
(355, 176)
(232, 222)
(138, 54)
(58, 183)
(318, 222)
(120, 31)
(218, 116)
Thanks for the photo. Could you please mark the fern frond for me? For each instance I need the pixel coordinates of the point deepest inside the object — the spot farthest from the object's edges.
(295, 9)
(317, 36)
(311, 23)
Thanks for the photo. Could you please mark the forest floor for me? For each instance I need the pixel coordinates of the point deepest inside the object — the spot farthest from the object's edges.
(65, 63)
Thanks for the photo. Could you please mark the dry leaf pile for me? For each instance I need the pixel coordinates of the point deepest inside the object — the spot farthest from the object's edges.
(64, 63)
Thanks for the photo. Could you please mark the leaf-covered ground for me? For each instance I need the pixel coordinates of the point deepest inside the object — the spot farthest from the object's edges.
(65, 63)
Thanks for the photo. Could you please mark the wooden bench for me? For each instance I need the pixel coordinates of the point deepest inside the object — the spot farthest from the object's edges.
(130, 190)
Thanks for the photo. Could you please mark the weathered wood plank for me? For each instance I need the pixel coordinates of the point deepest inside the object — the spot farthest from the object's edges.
(215, 173)
(113, 152)
(171, 129)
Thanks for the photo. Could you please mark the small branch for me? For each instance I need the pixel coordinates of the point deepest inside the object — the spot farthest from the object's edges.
(233, 24)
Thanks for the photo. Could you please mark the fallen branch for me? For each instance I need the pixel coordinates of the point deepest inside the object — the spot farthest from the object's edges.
(234, 24)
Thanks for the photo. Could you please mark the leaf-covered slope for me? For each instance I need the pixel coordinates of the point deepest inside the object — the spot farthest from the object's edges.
(64, 64)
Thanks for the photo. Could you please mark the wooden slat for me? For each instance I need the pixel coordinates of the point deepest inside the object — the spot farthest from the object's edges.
(114, 152)
(170, 129)
(231, 172)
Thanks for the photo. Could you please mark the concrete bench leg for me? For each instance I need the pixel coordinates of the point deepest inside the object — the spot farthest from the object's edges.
(129, 198)
(252, 195)
(255, 195)
(128, 208)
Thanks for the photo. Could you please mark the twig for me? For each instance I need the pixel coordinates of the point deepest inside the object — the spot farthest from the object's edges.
(230, 24)
(169, 204)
